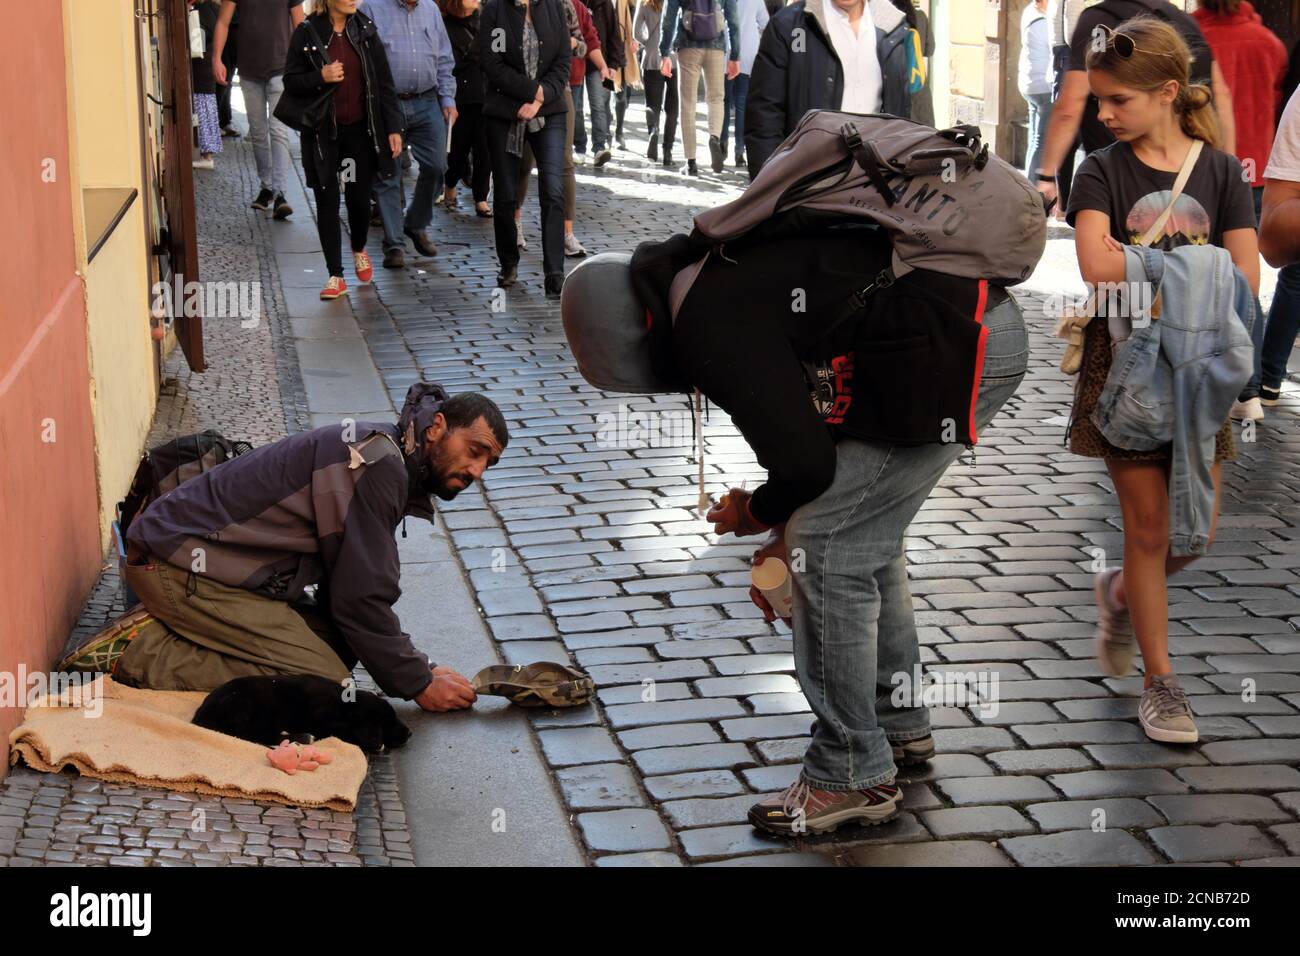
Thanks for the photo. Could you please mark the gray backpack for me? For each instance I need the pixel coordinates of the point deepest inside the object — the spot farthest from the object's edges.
(948, 205)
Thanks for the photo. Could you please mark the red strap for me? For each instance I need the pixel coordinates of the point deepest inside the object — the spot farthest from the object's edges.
(980, 301)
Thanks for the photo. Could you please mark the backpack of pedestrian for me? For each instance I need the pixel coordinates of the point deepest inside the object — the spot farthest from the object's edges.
(691, 28)
(1165, 158)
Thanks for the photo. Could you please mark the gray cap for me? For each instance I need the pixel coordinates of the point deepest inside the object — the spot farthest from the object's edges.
(607, 326)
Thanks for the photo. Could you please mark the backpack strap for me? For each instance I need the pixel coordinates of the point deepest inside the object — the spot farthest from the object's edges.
(869, 159)
(1184, 173)
(857, 301)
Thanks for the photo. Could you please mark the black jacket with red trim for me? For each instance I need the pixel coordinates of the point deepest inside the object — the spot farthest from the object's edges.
(764, 334)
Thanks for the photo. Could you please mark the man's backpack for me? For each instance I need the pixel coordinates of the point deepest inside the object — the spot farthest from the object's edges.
(165, 466)
(947, 203)
(1186, 26)
(702, 19)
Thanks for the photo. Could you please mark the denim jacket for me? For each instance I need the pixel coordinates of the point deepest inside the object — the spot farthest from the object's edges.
(1174, 378)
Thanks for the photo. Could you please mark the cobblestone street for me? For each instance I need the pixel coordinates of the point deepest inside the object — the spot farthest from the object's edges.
(582, 549)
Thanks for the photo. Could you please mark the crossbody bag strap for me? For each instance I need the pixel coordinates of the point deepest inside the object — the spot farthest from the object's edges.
(1184, 173)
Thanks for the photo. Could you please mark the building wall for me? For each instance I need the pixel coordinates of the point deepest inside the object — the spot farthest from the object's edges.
(105, 129)
(49, 506)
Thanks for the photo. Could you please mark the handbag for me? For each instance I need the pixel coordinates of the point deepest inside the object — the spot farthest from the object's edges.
(307, 114)
(1070, 325)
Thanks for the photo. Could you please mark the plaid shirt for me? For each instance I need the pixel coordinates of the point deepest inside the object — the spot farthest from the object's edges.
(419, 50)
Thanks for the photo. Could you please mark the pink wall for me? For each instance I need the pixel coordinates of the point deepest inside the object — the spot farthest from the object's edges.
(49, 532)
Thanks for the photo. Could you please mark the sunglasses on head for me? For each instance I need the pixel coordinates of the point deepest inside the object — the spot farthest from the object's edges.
(1125, 45)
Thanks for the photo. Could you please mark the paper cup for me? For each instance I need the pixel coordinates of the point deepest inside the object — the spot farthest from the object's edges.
(772, 578)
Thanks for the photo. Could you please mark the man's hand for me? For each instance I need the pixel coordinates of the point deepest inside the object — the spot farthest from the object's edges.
(332, 72)
(528, 110)
(219, 72)
(666, 67)
(1048, 189)
(731, 514)
(774, 547)
(395, 144)
(449, 114)
(733, 69)
(447, 691)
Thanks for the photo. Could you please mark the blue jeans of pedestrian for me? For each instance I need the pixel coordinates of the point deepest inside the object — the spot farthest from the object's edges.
(548, 145)
(854, 628)
(1040, 114)
(426, 133)
(735, 93)
(598, 105)
(270, 137)
(1283, 322)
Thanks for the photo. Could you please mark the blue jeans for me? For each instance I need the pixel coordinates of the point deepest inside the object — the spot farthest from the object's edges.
(735, 93)
(1040, 114)
(853, 623)
(270, 137)
(1283, 322)
(426, 133)
(598, 104)
(548, 145)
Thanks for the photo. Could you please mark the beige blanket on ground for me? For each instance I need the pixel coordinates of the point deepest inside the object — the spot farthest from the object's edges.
(145, 737)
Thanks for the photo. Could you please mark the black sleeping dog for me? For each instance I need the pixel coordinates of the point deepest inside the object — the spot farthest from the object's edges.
(301, 707)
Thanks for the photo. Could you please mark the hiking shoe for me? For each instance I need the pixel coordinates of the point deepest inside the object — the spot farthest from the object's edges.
(282, 208)
(716, 153)
(572, 247)
(910, 752)
(1165, 713)
(520, 241)
(334, 288)
(1114, 643)
(421, 242)
(803, 809)
(394, 258)
(1251, 410)
(99, 654)
(1269, 396)
(365, 269)
(263, 200)
(601, 158)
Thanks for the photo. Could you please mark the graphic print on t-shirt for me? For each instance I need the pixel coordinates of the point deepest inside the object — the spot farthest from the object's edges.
(1189, 223)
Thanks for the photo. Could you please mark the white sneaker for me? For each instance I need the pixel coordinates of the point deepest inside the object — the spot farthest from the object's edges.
(1252, 410)
(208, 163)
(572, 247)
(520, 241)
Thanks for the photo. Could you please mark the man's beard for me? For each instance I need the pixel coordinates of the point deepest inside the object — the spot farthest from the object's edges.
(441, 477)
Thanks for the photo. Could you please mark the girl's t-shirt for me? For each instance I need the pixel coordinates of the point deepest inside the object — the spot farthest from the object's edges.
(1216, 199)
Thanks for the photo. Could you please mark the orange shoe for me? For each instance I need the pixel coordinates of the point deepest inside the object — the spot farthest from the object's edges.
(334, 288)
(364, 268)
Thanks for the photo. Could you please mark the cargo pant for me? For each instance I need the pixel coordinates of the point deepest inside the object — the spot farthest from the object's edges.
(216, 633)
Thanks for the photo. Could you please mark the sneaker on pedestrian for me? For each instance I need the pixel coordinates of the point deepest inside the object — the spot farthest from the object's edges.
(230, 132)
(910, 752)
(620, 142)
(1165, 712)
(507, 276)
(520, 241)
(1269, 396)
(716, 153)
(334, 288)
(1251, 410)
(553, 285)
(572, 247)
(802, 808)
(263, 200)
(421, 242)
(740, 161)
(365, 269)
(282, 208)
(601, 158)
(652, 153)
(1114, 643)
(668, 156)
(691, 168)
(394, 258)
